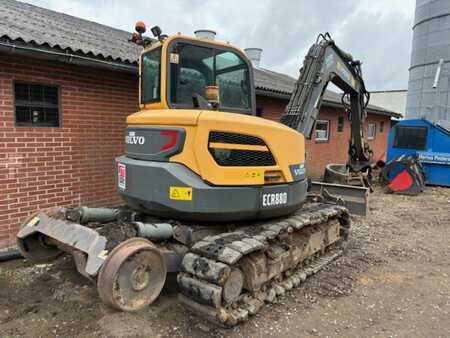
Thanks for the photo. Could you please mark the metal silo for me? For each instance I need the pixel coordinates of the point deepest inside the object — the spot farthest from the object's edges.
(429, 74)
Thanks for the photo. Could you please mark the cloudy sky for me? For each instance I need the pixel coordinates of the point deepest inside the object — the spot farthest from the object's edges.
(378, 32)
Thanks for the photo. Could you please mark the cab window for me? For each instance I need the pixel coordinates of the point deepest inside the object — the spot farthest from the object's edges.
(233, 81)
(151, 76)
(189, 74)
(194, 67)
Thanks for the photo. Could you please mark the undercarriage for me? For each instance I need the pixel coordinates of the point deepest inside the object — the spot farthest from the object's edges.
(225, 272)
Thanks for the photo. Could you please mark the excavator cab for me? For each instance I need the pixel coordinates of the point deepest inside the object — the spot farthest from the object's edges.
(195, 151)
(197, 75)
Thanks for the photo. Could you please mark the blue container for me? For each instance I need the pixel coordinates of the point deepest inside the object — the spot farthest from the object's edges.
(429, 141)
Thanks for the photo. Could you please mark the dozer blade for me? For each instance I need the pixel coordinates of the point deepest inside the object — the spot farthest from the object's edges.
(355, 199)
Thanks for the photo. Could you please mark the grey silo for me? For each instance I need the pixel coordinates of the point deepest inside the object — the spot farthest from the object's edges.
(429, 79)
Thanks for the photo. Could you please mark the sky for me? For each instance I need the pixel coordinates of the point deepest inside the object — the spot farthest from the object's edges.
(377, 32)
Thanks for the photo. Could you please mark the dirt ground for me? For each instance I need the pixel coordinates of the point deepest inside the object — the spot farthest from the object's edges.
(393, 281)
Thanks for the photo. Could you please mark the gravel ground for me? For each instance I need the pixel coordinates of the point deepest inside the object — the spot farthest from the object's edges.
(393, 281)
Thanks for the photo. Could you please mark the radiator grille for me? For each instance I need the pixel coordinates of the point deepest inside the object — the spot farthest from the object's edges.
(239, 157)
(233, 138)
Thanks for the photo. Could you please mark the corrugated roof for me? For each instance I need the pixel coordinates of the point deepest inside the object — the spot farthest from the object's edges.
(277, 82)
(45, 28)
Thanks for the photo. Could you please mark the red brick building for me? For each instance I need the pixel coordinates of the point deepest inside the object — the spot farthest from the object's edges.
(332, 147)
(66, 87)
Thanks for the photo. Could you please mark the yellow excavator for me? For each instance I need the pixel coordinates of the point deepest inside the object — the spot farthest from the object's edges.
(212, 192)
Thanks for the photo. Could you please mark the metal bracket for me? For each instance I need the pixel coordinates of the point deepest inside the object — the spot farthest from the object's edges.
(70, 236)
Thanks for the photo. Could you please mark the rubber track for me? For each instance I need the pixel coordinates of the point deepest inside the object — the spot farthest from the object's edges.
(224, 249)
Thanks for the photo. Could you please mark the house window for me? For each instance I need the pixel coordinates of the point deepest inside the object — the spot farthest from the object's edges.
(322, 130)
(371, 128)
(36, 105)
(340, 126)
(381, 126)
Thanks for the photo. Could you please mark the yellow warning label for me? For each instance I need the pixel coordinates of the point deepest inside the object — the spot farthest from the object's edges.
(252, 174)
(180, 193)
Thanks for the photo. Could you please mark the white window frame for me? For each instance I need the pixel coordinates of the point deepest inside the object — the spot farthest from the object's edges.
(374, 128)
(322, 139)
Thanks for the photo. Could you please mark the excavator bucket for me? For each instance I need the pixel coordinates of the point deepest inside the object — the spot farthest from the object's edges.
(404, 175)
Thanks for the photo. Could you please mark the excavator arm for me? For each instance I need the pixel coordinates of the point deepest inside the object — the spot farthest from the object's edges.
(325, 63)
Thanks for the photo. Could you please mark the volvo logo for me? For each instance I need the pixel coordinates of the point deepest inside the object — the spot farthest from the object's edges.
(132, 138)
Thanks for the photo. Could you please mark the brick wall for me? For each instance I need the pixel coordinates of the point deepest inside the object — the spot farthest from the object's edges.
(319, 154)
(70, 165)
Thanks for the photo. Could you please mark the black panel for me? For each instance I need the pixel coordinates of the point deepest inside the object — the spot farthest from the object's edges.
(242, 158)
(238, 157)
(410, 137)
(233, 138)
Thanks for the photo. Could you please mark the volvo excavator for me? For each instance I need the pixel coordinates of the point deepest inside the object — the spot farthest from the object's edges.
(213, 193)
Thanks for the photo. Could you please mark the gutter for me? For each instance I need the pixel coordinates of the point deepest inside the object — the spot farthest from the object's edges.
(369, 109)
(70, 58)
(270, 93)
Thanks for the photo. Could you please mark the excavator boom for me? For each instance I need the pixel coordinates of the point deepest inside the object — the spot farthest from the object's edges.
(325, 63)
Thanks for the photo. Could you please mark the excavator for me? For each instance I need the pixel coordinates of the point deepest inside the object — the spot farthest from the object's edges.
(212, 192)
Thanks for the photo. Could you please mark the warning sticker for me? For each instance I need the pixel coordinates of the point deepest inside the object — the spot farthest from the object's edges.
(180, 193)
(252, 174)
(121, 176)
(174, 58)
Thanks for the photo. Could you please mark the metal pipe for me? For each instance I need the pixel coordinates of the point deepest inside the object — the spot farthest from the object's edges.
(10, 255)
(437, 76)
(84, 215)
(154, 231)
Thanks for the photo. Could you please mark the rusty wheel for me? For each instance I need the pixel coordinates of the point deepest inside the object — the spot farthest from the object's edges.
(132, 276)
(36, 248)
